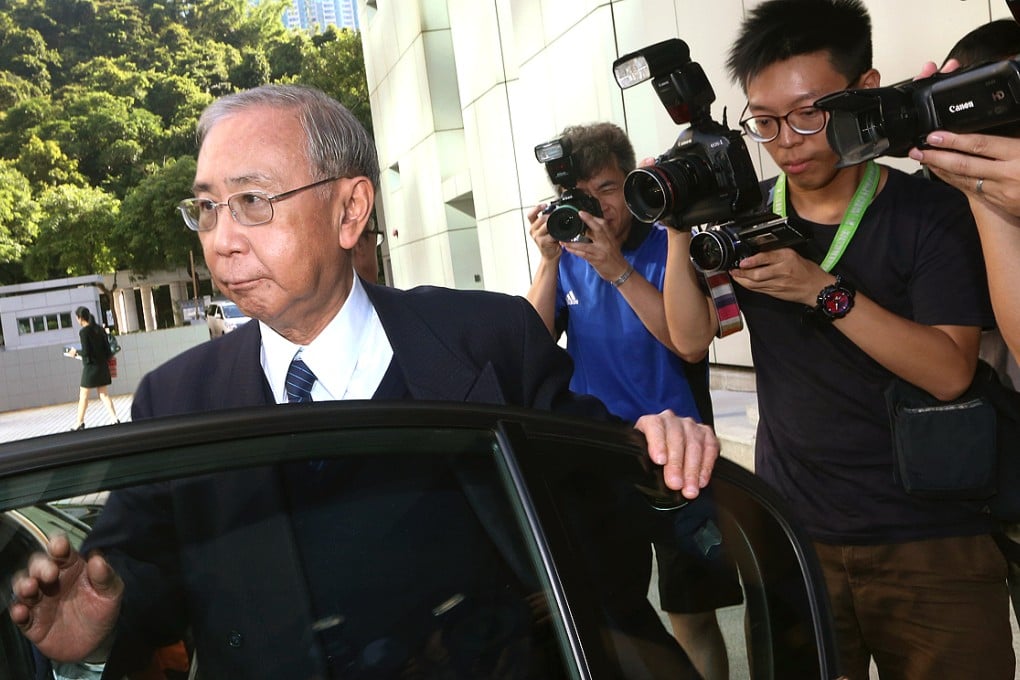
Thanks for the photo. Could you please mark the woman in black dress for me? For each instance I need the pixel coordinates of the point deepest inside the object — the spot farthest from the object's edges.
(95, 371)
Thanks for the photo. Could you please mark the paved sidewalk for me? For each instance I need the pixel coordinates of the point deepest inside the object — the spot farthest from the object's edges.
(34, 422)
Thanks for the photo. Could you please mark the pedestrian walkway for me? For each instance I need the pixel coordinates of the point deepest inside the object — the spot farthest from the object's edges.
(34, 422)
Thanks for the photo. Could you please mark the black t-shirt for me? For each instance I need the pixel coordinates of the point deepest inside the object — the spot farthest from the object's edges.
(823, 436)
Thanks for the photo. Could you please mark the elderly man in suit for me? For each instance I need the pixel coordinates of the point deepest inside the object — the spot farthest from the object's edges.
(284, 186)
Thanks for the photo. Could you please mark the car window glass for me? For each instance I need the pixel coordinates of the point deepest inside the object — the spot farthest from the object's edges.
(631, 540)
(362, 554)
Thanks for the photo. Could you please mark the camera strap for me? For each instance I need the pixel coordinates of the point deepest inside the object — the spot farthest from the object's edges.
(724, 299)
(863, 196)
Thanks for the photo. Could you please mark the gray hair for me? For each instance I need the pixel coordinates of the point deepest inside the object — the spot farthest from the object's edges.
(337, 144)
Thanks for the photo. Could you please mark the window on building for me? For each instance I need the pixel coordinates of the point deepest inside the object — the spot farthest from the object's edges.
(41, 324)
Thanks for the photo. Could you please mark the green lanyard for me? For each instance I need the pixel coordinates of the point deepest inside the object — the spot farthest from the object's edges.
(851, 218)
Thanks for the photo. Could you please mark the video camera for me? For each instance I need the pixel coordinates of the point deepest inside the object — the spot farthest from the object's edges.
(889, 121)
(706, 177)
(564, 223)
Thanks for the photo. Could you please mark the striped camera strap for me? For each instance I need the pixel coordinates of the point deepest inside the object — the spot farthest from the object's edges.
(720, 287)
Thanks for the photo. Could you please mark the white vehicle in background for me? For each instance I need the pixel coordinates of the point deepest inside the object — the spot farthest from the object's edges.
(223, 317)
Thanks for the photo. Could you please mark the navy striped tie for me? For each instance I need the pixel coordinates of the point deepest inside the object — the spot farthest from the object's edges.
(299, 381)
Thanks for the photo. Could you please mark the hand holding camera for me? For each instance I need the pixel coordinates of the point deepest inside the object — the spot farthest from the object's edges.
(985, 167)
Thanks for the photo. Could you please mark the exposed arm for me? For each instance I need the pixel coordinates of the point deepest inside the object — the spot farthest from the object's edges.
(650, 306)
(938, 359)
(961, 160)
(542, 293)
(1000, 242)
(690, 316)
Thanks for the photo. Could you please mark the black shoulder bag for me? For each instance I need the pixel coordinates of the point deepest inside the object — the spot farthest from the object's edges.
(967, 449)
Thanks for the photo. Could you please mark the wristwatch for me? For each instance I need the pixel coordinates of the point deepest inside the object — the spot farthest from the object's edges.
(836, 300)
(622, 278)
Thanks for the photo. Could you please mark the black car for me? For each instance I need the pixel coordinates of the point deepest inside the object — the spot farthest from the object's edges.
(474, 542)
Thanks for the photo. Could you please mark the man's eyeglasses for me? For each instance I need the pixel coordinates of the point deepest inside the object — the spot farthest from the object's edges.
(806, 120)
(249, 208)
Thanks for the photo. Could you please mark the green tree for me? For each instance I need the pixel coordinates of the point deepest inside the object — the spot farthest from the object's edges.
(252, 71)
(23, 53)
(45, 164)
(19, 213)
(336, 65)
(117, 76)
(150, 232)
(74, 233)
(110, 137)
(15, 89)
(23, 120)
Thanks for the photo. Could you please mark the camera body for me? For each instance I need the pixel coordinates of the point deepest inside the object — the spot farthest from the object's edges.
(564, 223)
(722, 246)
(707, 175)
(889, 121)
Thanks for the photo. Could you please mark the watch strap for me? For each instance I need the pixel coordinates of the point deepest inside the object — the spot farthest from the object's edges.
(622, 278)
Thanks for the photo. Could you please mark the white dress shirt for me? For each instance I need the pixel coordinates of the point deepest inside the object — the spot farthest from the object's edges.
(349, 357)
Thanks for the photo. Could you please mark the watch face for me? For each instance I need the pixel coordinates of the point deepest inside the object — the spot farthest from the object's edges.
(837, 302)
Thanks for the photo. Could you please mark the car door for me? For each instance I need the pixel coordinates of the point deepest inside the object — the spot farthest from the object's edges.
(367, 539)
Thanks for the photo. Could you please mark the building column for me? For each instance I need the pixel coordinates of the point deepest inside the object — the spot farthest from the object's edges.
(126, 310)
(148, 308)
(178, 292)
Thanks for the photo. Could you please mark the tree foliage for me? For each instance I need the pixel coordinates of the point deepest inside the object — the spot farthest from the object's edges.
(74, 233)
(19, 213)
(98, 103)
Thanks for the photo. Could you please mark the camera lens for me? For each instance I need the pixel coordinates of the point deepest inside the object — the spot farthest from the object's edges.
(648, 193)
(712, 251)
(564, 223)
(661, 190)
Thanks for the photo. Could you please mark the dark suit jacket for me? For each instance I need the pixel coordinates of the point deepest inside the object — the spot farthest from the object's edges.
(451, 345)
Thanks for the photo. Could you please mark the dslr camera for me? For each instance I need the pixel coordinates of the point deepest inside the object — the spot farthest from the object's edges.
(706, 178)
(564, 223)
(889, 121)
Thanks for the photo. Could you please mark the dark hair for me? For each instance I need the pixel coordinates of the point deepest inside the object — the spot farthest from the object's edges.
(336, 143)
(777, 30)
(993, 41)
(84, 313)
(598, 146)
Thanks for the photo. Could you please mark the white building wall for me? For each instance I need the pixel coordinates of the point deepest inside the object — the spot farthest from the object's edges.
(462, 91)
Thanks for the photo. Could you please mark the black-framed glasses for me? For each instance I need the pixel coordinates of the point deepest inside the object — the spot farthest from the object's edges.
(806, 120)
(249, 208)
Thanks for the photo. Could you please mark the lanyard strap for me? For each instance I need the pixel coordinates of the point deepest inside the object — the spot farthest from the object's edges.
(851, 218)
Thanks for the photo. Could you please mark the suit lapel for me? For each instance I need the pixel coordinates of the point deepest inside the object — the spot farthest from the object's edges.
(248, 384)
(432, 370)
